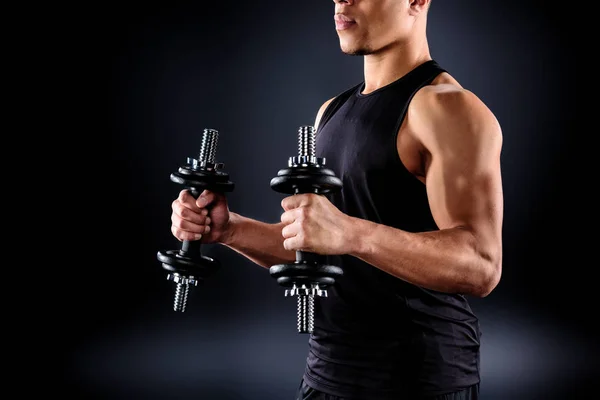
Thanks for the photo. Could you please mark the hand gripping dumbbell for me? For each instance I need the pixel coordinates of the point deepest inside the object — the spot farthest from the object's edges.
(188, 265)
(309, 275)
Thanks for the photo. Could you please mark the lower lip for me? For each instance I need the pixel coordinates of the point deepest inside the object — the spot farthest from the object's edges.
(343, 25)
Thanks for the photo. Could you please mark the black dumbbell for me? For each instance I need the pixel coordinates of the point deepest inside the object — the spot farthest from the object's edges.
(309, 275)
(188, 265)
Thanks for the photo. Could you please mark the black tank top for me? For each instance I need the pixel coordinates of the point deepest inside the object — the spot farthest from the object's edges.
(377, 337)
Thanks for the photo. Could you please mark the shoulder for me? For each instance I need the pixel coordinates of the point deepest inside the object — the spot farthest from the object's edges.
(321, 111)
(339, 98)
(446, 111)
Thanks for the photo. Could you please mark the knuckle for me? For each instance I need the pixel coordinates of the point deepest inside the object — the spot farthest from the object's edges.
(176, 232)
(175, 221)
(302, 223)
(307, 210)
(185, 213)
(285, 217)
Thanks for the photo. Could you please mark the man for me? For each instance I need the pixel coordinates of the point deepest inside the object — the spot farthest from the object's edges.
(416, 228)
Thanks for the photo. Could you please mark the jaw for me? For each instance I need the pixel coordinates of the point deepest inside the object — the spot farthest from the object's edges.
(353, 43)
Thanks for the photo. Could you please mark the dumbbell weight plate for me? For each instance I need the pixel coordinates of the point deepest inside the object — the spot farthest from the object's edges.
(200, 266)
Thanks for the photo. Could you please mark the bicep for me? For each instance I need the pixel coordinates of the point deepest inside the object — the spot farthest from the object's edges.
(465, 192)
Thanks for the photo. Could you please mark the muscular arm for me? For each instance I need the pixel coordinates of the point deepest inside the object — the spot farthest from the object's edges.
(258, 241)
(459, 143)
(462, 143)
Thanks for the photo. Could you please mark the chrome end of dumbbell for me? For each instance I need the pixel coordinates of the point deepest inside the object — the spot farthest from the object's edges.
(186, 280)
(314, 290)
(305, 161)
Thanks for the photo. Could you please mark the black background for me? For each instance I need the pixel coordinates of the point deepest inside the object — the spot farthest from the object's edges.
(145, 81)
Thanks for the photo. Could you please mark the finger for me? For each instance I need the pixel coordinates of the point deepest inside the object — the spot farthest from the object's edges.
(295, 201)
(290, 231)
(289, 217)
(187, 226)
(185, 235)
(206, 226)
(193, 215)
(294, 244)
(205, 198)
(187, 200)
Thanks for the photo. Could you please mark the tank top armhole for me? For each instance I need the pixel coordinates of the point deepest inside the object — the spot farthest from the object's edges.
(403, 115)
(334, 105)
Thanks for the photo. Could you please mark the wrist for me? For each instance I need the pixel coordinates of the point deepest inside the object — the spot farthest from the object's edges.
(228, 236)
(359, 231)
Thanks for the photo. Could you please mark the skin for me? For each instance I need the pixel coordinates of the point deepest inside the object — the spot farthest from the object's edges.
(449, 140)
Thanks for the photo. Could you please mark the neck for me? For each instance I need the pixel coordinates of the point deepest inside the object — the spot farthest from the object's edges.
(393, 62)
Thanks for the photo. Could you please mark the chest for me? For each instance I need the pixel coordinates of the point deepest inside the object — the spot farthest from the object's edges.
(368, 137)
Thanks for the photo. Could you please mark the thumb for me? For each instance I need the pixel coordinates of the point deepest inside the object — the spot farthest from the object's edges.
(291, 202)
(205, 198)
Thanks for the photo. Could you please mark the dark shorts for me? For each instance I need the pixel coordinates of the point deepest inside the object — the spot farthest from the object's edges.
(305, 392)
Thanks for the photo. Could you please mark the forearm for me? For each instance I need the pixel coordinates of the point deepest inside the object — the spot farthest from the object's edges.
(260, 242)
(447, 260)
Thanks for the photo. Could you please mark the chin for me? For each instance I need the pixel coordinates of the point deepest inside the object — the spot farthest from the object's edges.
(355, 50)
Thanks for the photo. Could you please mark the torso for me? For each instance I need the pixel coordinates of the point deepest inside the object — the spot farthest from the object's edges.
(374, 331)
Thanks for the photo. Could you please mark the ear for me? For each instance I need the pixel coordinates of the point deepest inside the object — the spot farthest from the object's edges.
(418, 6)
